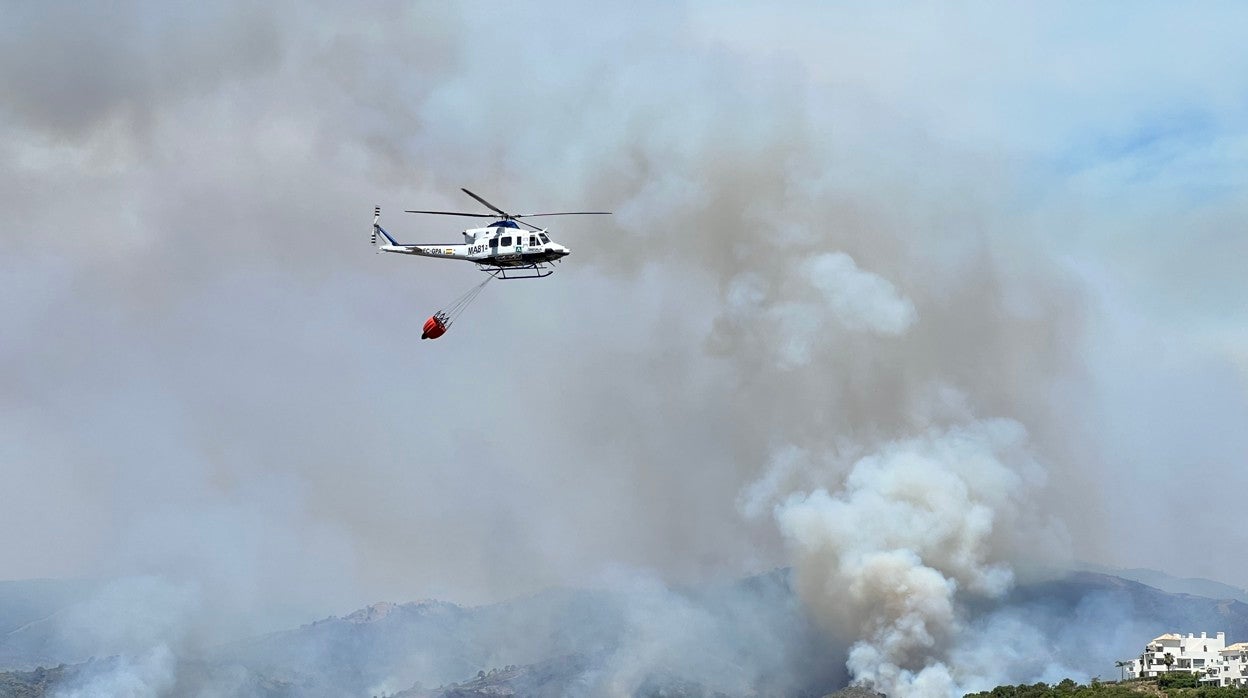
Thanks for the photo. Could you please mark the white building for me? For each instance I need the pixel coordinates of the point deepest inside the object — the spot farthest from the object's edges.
(1231, 668)
(1189, 654)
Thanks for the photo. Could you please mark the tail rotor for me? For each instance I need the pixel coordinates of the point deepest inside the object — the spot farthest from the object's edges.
(376, 217)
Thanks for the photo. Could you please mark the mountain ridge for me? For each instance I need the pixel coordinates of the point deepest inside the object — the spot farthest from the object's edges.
(751, 636)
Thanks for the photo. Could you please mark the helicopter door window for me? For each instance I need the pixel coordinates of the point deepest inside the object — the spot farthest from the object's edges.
(532, 241)
(493, 242)
(506, 242)
(544, 238)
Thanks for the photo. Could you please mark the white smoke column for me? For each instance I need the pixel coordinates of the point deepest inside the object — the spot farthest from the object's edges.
(918, 525)
(830, 293)
(859, 299)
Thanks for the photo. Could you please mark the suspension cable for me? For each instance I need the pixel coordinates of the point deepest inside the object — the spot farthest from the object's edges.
(459, 305)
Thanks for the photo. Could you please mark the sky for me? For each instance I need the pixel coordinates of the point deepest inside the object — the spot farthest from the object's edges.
(867, 263)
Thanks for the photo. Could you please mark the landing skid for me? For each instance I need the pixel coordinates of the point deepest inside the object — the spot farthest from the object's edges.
(528, 271)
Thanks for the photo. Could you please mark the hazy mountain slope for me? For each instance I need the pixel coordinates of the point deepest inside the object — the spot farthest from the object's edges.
(729, 637)
(735, 639)
(22, 602)
(27, 633)
(116, 676)
(1090, 620)
(1076, 594)
(1184, 585)
(569, 675)
(742, 638)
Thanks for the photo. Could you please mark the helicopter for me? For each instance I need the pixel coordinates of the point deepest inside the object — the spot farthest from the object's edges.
(502, 249)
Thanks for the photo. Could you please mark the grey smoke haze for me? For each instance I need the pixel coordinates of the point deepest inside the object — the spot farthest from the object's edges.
(844, 237)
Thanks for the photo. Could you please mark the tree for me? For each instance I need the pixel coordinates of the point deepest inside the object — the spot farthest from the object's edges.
(1168, 661)
(1122, 671)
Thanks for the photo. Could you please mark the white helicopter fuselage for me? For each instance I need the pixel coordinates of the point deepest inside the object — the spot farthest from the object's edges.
(500, 245)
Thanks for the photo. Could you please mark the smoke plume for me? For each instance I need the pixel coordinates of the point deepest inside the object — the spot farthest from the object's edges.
(917, 527)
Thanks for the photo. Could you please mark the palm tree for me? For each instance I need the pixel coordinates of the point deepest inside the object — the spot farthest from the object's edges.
(1168, 661)
(1122, 665)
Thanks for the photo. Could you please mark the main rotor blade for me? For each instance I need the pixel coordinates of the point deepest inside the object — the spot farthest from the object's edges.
(563, 213)
(456, 213)
(487, 204)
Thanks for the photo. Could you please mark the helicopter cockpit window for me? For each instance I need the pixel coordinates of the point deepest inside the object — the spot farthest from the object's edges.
(544, 238)
(506, 241)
